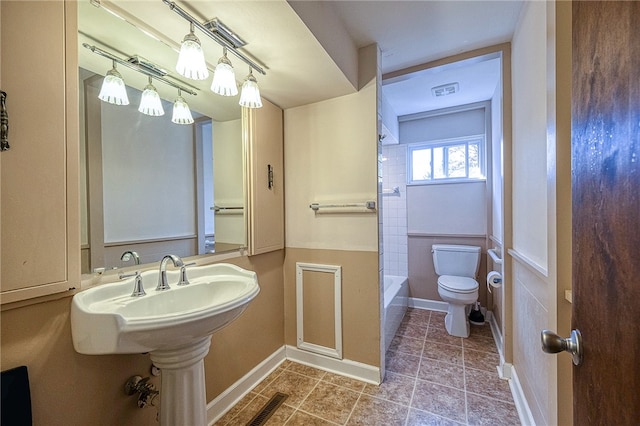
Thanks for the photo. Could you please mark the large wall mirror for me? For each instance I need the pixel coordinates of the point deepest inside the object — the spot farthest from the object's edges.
(148, 186)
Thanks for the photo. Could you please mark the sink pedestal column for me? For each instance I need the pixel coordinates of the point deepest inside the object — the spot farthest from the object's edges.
(182, 386)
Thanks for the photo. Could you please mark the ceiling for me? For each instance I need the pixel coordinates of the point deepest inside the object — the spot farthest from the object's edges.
(416, 32)
(304, 65)
(411, 33)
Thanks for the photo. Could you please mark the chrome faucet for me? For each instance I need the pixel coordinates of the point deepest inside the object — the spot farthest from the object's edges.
(138, 288)
(163, 284)
(127, 255)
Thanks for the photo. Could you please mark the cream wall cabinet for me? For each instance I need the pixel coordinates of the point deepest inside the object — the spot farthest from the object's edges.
(39, 232)
(265, 189)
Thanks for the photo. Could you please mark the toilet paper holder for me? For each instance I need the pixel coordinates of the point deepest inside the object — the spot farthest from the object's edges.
(494, 279)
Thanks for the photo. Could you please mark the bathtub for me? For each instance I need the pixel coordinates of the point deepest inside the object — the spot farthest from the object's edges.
(396, 296)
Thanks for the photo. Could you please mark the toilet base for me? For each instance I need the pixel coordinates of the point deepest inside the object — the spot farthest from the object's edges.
(456, 322)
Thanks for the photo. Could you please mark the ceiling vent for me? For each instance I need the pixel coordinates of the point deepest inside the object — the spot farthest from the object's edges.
(445, 89)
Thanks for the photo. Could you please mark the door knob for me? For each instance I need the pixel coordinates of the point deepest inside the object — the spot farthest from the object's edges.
(552, 344)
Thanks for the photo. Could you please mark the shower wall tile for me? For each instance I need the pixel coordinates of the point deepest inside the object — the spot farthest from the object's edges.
(394, 227)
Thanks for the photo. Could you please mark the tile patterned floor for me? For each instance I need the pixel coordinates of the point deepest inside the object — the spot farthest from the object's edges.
(432, 379)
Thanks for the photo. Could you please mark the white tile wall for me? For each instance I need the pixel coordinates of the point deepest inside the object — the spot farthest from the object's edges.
(394, 211)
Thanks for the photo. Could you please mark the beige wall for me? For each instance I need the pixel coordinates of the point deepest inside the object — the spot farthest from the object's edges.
(256, 334)
(530, 134)
(496, 219)
(68, 388)
(331, 157)
(530, 282)
(360, 314)
(541, 204)
(423, 280)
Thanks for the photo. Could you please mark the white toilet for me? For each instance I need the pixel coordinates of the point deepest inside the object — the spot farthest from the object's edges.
(457, 266)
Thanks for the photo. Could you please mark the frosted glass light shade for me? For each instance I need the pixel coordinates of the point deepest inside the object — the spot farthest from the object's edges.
(181, 112)
(224, 78)
(191, 63)
(250, 95)
(113, 89)
(150, 103)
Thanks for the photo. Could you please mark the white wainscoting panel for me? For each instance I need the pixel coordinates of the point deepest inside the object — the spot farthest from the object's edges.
(336, 351)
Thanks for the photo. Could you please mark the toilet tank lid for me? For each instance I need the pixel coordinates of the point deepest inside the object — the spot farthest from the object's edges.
(456, 247)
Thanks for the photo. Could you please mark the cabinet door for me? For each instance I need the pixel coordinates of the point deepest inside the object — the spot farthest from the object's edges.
(39, 229)
(266, 178)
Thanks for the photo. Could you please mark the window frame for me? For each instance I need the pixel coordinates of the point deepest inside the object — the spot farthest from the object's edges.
(443, 143)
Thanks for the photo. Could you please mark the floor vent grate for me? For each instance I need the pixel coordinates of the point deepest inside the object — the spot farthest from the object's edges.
(269, 408)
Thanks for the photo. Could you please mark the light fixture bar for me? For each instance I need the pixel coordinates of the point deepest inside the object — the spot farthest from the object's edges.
(136, 67)
(215, 37)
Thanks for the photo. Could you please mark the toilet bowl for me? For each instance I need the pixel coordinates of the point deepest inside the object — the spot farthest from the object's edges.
(457, 266)
(458, 292)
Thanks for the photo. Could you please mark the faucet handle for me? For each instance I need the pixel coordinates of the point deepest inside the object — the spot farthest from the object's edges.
(133, 274)
(183, 273)
(138, 288)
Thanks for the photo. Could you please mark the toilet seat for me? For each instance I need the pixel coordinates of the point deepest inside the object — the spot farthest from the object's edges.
(455, 284)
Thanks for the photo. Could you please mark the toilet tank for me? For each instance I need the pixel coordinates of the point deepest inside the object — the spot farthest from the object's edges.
(459, 260)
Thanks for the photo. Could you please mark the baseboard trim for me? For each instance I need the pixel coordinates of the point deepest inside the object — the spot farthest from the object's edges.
(431, 305)
(526, 417)
(234, 393)
(345, 367)
(497, 336)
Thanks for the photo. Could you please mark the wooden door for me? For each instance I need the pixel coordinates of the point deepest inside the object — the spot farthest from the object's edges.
(606, 211)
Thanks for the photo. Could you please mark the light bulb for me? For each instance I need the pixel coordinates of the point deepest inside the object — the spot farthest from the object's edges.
(224, 78)
(113, 89)
(150, 103)
(191, 63)
(250, 96)
(181, 112)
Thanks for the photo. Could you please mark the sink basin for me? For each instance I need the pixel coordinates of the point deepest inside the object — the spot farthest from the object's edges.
(107, 320)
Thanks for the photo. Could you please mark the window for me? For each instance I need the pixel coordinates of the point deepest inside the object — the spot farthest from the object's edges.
(459, 159)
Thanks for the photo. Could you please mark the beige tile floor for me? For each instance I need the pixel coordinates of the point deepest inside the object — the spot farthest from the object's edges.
(432, 379)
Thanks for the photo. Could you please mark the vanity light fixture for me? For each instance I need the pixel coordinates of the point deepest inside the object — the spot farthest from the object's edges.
(150, 103)
(224, 78)
(250, 96)
(113, 89)
(226, 38)
(181, 111)
(191, 63)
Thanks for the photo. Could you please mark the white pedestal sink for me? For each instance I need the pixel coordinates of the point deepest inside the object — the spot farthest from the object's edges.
(174, 326)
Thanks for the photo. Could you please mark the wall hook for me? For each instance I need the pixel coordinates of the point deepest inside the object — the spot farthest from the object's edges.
(4, 122)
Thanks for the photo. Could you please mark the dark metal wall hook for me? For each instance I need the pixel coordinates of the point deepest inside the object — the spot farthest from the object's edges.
(4, 122)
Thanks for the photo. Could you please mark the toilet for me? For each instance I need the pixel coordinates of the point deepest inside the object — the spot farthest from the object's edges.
(457, 266)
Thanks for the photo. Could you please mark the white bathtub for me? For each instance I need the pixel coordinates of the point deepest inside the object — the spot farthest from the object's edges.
(396, 296)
